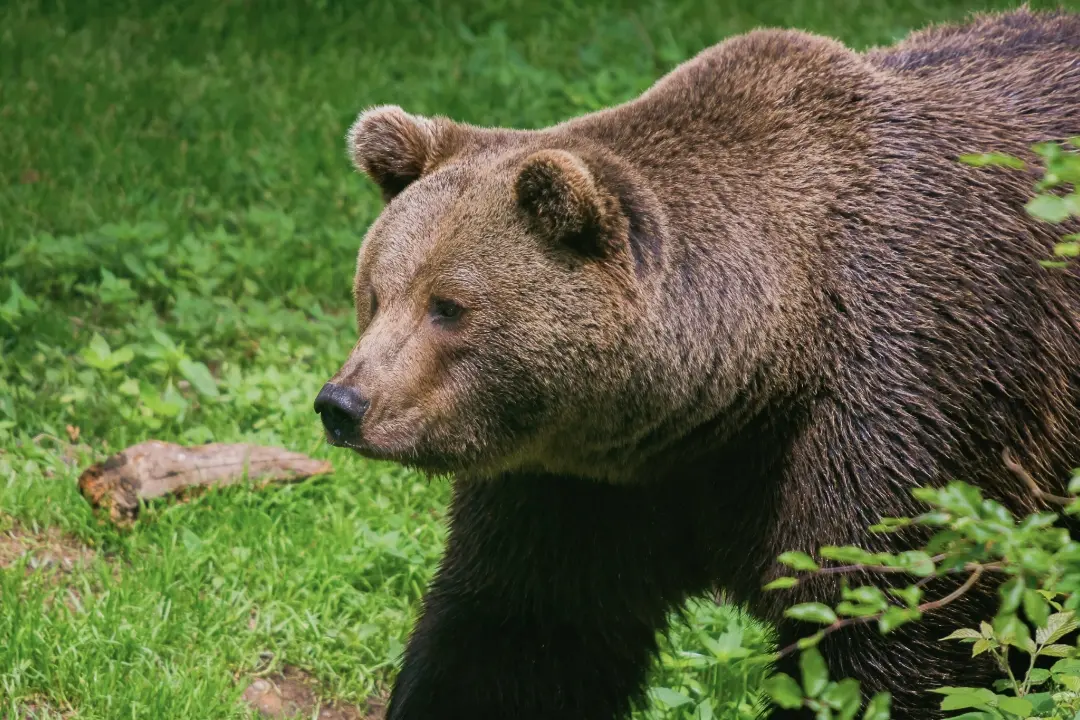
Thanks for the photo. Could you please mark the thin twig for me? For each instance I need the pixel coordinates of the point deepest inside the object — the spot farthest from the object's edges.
(955, 594)
(1018, 470)
(843, 569)
(859, 567)
(931, 606)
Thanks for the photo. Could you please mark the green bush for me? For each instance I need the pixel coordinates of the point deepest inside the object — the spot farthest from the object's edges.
(971, 537)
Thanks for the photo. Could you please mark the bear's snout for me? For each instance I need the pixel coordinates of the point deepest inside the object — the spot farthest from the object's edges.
(341, 409)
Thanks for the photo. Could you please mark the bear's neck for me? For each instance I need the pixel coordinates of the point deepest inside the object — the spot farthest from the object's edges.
(744, 201)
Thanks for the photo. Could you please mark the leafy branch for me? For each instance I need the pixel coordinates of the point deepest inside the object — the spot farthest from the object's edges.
(973, 536)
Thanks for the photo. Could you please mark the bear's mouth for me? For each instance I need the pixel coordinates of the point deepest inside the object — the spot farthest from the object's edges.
(354, 442)
(409, 457)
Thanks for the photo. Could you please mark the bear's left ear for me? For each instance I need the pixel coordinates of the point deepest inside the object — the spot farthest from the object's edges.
(564, 202)
(392, 147)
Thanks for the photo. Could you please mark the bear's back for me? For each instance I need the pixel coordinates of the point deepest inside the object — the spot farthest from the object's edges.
(1021, 64)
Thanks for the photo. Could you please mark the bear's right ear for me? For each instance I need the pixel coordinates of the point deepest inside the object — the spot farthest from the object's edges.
(392, 147)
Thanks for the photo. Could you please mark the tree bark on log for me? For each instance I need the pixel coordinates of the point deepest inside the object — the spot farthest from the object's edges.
(154, 469)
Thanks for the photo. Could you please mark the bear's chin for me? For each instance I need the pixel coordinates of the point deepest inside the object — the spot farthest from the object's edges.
(433, 461)
(425, 463)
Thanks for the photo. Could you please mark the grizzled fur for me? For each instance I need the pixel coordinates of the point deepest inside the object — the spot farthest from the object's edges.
(744, 313)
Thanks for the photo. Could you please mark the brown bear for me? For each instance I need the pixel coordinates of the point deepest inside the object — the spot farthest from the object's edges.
(657, 345)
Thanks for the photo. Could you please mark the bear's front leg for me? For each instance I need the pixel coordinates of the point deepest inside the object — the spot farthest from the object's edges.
(546, 605)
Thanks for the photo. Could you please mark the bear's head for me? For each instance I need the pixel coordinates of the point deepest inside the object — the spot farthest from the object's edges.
(499, 301)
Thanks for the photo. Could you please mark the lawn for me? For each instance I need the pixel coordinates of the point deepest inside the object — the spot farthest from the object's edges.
(178, 231)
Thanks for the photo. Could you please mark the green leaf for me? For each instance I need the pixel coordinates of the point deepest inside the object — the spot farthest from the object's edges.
(894, 617)
(1066, 667)
(981, 646)
(1049, 208)
(844, 696)
(848, 554)
(986, 159)
(865, 594)
(98, 354)
(100, 347)
(782, 583)
(962, 702)
(784, 691)
(862, 601)
(1014, 705)
(1058, 626)
(942, 541)
(1049, 151)
(911, 594)
(199, 376)
(1036, 608)
(729, 645)
(1060, 651)
(129, 387)
(1067, 249)
(162, 339)
(934, 518)
(890, 524)
(1012, 592)
(812, 612)
(810, 641)
(798, 561)
(669, 697)
(167, 404)
(963, 634)
(1009, 630)
(1072, 203)
(961, 498)
(856, 610)
(917, 563)
(1074, 484)
(815, 675)
(121, 357)
(192, 542)
(1038, 676)
(1041, 703)
(879, 707)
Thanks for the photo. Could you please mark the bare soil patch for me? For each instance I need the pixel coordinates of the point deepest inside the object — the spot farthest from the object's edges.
(293, 693)
(41, 710)
(50, 549)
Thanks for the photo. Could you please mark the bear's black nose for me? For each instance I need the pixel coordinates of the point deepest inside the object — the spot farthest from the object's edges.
(341, 410)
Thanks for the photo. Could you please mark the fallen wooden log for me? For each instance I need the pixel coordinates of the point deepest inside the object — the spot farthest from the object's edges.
(154, 469)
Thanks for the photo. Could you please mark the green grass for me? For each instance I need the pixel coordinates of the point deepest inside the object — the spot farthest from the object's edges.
(175, 203)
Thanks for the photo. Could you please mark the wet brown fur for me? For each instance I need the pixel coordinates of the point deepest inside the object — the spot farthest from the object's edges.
(743, 313)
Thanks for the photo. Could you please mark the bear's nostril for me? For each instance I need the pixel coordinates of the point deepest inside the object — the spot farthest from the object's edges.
(341, 409)
(336, 422)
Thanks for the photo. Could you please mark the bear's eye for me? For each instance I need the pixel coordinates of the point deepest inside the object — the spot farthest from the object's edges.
(445, 310)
